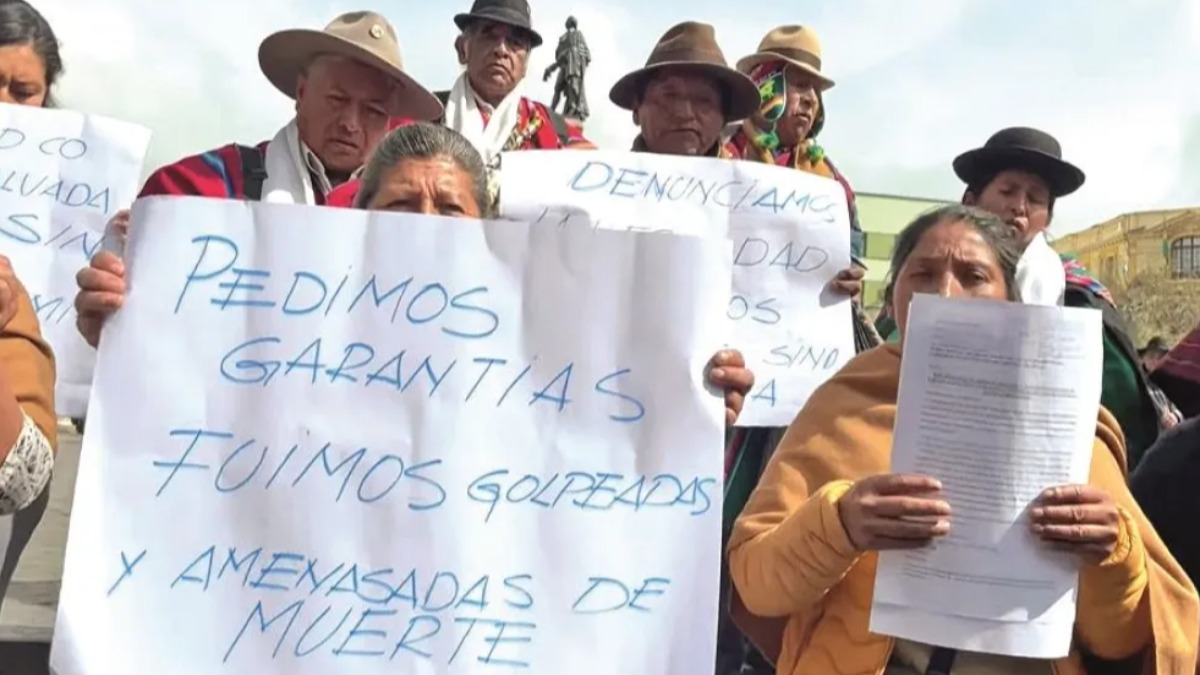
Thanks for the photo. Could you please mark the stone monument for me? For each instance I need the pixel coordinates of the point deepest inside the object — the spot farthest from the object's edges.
(571, 60)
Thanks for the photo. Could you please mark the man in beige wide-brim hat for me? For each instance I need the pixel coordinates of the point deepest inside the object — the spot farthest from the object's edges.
(364, 37)
(348, 80)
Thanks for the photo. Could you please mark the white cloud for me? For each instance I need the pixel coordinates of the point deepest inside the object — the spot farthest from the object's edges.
(918, 81)
(1189, 14)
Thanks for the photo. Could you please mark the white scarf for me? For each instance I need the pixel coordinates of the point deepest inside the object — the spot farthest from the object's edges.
(1040, 274)
(463, 115)
(288, 180)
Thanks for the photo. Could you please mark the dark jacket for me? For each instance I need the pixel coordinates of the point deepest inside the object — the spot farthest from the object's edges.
(1165, 487)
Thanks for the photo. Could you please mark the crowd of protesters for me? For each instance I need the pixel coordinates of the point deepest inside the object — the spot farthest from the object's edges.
(807, 507)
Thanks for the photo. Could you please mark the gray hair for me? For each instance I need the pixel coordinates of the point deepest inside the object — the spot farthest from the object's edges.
(998, 236)
(423, 140)
(22, 24)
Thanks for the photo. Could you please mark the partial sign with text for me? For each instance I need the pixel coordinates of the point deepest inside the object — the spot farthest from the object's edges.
(62, 176)
(790, 232)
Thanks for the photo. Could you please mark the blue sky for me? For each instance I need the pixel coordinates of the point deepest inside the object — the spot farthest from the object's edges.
(918, 80)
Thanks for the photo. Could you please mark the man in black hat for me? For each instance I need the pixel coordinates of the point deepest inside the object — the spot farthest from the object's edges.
(486, 103)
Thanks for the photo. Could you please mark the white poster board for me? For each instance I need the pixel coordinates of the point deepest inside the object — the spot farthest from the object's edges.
(791, 235)
(417, 445)
(63, 174)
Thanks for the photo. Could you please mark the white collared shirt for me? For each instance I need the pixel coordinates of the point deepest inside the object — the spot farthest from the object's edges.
(317, 168)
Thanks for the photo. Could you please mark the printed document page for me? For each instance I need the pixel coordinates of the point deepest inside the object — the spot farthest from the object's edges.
(998, 401)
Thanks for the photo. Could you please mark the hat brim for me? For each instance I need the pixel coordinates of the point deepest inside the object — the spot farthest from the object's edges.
(465, 19)
(980, 164)
(283, 56)
(746, 64)
(744, 99)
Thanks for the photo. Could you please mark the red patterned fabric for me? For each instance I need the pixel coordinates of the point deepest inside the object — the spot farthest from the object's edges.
(1183, 361)
(216, 173)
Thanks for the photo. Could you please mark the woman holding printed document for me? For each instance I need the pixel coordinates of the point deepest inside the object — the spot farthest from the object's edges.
(803, 554)
(29, 65)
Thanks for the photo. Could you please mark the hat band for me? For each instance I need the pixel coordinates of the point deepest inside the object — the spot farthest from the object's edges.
(700, 57)
(798, 55)
(505, 15)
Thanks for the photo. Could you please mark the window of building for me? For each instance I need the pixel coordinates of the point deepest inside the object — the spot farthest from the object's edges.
(879, 245)
(1108, 269)
(1185, 257)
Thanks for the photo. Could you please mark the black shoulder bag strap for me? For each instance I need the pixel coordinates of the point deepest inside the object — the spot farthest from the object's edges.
(941, 661)
(254, 171)
(444, 98)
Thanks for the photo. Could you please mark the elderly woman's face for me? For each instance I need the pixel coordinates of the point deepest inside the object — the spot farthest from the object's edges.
(22, 76)
(951, 260)
(435, 186)
(1020, 198)
(681, 113)
(802, 106)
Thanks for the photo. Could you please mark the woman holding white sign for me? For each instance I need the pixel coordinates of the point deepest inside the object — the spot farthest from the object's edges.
(806, 547)
(786, 68)
(29, 67)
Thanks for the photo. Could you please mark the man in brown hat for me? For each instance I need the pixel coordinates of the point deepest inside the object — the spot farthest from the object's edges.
(686, 94)
(347, 80)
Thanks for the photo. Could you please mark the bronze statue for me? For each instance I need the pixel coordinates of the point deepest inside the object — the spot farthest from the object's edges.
(571, 60)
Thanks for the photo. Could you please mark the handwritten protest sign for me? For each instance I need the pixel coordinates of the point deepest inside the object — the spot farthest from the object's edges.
(790, 232)
(62, 176)
(331, 441)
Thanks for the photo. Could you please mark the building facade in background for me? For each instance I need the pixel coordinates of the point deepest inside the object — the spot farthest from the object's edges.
(1150, 243)
(882, 217)
(1151, 263)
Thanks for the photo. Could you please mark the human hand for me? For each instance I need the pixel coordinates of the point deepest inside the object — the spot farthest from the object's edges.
(849, 281)
(727, 371)
(101, 293)
(894, 511)
(118, 225)
(10, 292)
(1080, 519)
